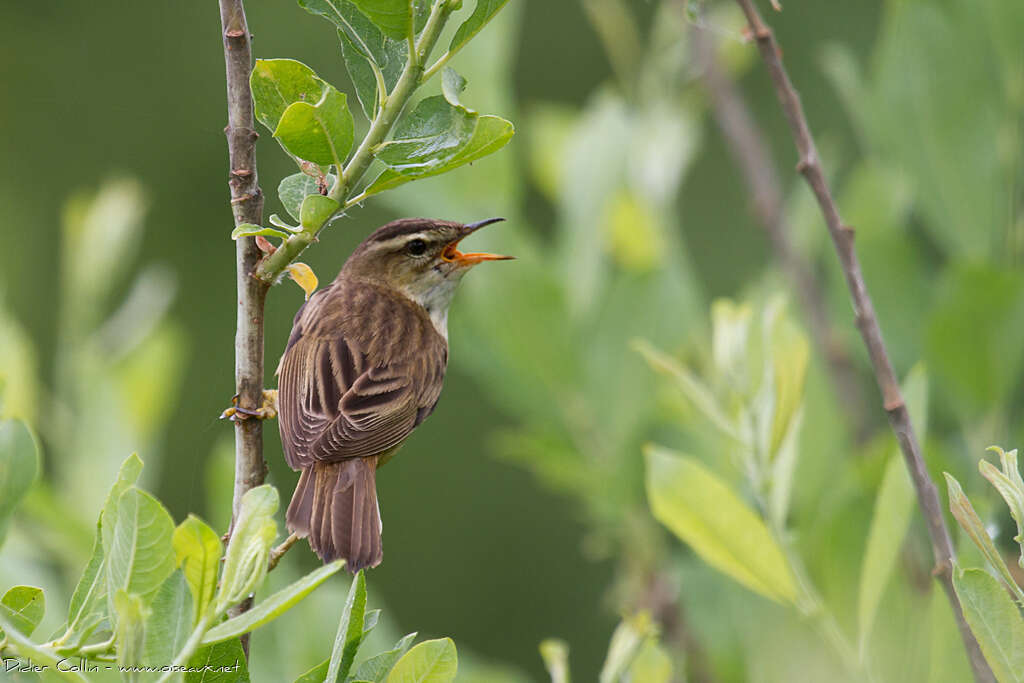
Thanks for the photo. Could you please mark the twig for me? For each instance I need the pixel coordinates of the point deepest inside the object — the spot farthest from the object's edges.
(247, 207)
(277, 553)
(867, 322)
(747, 145)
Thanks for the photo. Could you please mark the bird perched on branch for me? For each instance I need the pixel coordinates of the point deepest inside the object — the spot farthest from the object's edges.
(363, 367)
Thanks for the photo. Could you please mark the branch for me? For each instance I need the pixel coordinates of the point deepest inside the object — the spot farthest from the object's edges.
(867, 322)
(747, 145)
(247, 207)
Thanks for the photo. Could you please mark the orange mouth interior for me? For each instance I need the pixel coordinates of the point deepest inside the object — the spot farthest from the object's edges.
(451, 253)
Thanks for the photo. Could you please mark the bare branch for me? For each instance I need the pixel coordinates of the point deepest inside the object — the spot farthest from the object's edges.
(247, 207)
(747, 145)
(842, 236)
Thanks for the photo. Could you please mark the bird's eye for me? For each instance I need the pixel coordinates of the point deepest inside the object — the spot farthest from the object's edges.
(416, 247)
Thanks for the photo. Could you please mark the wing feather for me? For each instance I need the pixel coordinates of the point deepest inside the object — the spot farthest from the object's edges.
(349, 389)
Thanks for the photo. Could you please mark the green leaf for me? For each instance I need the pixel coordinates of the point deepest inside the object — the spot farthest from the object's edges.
(221, 663)
(452, 85)
(321, 132)
(1010, 486)
(363, 45)
(131, 630)
(432, 132)
(279, 83)
(432, 661)
(893, 509)
(482, 13)
(701, 509)
(272, 607)
(350, 630)
(971, 523)
(315, 211)
(393, 17)
(435, 138)
(19, 462)
(555, 654)
(127, 476)
(141, 556)
(245, 564)
(23, 606)
(995, 621)
(170, 622)
(294, 189)
(376, 668)
(197, 549)
(88, 603)
(250, 230)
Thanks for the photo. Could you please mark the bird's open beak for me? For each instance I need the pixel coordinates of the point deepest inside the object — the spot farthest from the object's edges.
(452, 253)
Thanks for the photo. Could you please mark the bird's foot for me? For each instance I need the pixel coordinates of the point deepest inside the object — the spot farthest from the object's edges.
(267, 411)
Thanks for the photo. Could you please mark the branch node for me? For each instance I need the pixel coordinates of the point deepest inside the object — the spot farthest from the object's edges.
(893, 404)
(805, 164)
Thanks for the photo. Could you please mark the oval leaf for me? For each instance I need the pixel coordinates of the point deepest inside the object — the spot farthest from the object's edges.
(278, 83)
(321, 132)
(294, 189)
(701, 509)
(315, 211)
(432, 661)
(141, 556)
(995, 621)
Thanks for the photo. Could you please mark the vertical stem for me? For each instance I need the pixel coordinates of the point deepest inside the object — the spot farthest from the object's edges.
(842, 236)
(247, 207)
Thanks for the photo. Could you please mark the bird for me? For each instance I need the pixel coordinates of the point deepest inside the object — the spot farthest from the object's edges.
(363, 367)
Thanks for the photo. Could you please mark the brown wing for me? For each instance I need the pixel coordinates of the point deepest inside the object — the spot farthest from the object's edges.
(361, 370)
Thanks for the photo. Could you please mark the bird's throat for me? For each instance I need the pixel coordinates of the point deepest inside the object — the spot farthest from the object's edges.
(435, 296)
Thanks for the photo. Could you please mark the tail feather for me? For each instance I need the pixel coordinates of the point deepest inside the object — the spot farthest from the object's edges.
(335, 505)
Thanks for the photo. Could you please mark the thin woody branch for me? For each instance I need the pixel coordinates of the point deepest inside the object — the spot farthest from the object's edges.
(747, 145)
(247, 207)
(842, 235)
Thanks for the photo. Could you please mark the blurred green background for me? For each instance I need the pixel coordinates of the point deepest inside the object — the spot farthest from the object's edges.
(517, 511)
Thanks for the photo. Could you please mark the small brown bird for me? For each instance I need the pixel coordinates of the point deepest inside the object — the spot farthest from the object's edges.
(363, 367)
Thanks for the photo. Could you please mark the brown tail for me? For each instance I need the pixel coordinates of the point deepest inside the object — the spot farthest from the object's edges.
(335, 506)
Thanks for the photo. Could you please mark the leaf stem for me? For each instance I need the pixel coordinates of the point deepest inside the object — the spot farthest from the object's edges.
(842, 235)
(348, 178)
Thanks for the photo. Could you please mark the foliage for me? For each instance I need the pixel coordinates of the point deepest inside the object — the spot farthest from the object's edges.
(387, 49)
(994, 617)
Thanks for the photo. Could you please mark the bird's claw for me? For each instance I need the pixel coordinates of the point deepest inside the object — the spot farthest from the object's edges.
(267, 411)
